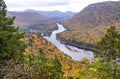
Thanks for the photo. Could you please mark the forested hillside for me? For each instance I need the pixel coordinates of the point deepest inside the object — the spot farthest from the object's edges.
(89, 25)
(99, 14)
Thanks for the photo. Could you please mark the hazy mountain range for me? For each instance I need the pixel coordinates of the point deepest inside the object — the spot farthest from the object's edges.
(35, 18)
(54, 14)
(38, 21)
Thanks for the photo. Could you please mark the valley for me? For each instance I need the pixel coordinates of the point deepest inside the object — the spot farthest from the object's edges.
(52, 44)
(83, 29)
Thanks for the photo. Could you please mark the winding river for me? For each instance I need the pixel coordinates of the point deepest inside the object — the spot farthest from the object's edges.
(73, 52)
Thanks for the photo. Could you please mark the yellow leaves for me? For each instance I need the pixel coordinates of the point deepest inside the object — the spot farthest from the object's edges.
(69, 66)
(82, 35)
(92, 69)
(75, 73)
(97, 59)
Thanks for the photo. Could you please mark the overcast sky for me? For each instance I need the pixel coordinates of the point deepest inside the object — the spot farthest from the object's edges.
(49, 5)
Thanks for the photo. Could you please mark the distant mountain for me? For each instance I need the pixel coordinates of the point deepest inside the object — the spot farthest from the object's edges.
(31, 17)
(25, 19)
(38, 21)
(33, 22)
(55, 15)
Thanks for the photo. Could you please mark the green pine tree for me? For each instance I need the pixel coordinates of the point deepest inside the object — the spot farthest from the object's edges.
(10, 44)
(109, 47)
(107, 52)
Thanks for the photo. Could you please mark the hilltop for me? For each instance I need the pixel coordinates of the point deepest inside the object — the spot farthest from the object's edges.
(99, 14)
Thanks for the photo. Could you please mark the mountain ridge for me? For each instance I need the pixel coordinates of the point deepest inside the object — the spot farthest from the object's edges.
(104, 13)
(55, 14)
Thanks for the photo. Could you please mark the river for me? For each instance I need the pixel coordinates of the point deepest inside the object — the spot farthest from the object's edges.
(73, 52)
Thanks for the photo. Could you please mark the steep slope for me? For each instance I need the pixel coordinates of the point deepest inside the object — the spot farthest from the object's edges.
(99, 14)
(89, 25)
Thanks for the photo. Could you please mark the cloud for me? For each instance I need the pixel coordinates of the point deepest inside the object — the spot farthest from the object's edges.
(61, 5)
(36, 3)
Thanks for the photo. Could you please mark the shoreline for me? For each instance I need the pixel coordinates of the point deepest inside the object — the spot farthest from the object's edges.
(75, 45)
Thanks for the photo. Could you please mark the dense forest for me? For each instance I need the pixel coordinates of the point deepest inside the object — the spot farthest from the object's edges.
(30, 56)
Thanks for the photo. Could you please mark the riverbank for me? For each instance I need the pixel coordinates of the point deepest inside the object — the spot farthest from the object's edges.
(80, 45)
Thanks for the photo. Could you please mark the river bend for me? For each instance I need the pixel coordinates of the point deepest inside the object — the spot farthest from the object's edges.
(73, 52)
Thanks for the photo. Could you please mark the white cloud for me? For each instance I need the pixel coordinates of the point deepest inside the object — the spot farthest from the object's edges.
(62, 5)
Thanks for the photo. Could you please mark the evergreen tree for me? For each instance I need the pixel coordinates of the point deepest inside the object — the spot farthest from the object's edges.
(107, 52)
(109, 47)
(10, 44)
